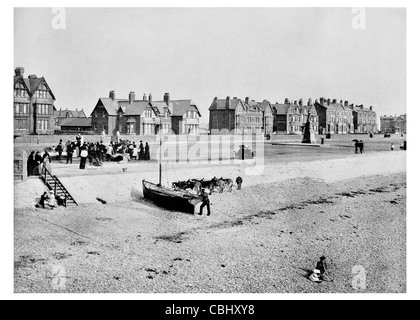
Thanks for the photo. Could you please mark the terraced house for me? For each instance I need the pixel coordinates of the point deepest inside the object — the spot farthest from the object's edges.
(334, 117)
(290, 118)
(33, 104)
(144, 117)
(236, 116)
(365, 119)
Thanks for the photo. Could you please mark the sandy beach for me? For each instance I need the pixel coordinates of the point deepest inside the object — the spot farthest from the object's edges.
(262, 239)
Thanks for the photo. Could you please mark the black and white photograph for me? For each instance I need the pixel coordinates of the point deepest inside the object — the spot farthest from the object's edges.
(209, 150)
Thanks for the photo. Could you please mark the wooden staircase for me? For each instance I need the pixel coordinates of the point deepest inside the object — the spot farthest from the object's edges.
(53, 183)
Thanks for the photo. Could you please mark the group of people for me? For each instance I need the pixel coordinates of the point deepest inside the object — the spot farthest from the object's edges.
(140, 152)
(360, 146)
(47, 201)
(37, 163)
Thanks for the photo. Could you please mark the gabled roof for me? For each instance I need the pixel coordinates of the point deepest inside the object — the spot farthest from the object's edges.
(281, 108)
(178, 108)
(33, 83)
(111, 106)
(220, 104)
(77, 122)
(72, 113)
(161, 106)
(22, 80)
(137, 108)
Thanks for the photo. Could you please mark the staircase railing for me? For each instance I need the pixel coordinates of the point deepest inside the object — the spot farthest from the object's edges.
(57, 183)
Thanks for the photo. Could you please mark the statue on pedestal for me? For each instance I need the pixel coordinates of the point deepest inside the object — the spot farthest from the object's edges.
(308, 133)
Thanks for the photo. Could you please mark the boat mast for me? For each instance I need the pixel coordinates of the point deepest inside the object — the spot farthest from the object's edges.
(160, 151)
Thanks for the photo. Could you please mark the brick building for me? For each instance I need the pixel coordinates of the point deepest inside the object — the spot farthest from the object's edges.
(334, 117)
(365, 119)
(143, 117)
(33, 104)
(76, 125)
(290, 118)
(238, 116)
(62, 115)
(394, 124)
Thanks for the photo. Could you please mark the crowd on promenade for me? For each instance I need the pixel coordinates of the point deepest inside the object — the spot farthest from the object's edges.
(94, 153)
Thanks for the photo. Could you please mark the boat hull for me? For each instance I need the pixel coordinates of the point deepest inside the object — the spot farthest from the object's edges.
(169, 199)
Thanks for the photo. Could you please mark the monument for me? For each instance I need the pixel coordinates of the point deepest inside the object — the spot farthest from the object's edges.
(308, 133)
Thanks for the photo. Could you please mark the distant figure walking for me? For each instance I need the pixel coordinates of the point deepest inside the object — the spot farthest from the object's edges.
(392, 147)
(361, 146)
(147, 152)
(206, 202)
(239, 182)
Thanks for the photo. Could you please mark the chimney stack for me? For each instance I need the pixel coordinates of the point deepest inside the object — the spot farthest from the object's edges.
(346, 103)
(150, 97)
(144, 97)
(322, 101)
(334, 101)
(227, 102)
(361, 106)
(166, 98)
(371, 108)
(132, 97)
(19, 71)
(247, 100)
(301, 102)
(295, 102)
(112, 95)
(287, 101)
(329, 101)
(310, 102)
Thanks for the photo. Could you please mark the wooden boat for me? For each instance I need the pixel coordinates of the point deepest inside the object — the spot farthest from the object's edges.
(170, 199)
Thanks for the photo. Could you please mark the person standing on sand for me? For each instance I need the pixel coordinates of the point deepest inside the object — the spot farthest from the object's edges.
(59, 149)
(239, 182)
(206, 202)
(83, 156)
(147, 152)
(361, 146)
(392, 147)
(141, 154)
(31, 163)
(69, 151)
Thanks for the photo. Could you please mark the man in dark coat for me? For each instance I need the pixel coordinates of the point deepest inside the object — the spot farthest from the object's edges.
(31, 163)
(206, 202)
(147, 152)
(59, 149)
(141, 154)
(69, 151)
(361, 146)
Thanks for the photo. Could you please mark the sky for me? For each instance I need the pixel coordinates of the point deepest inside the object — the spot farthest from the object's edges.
(202, 53)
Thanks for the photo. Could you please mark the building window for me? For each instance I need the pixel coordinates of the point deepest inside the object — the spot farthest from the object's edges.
(42, 125)
(42, 109)
(21, 124)
(130, 128)
(21, 108)
(20, 90)
(42, 92)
